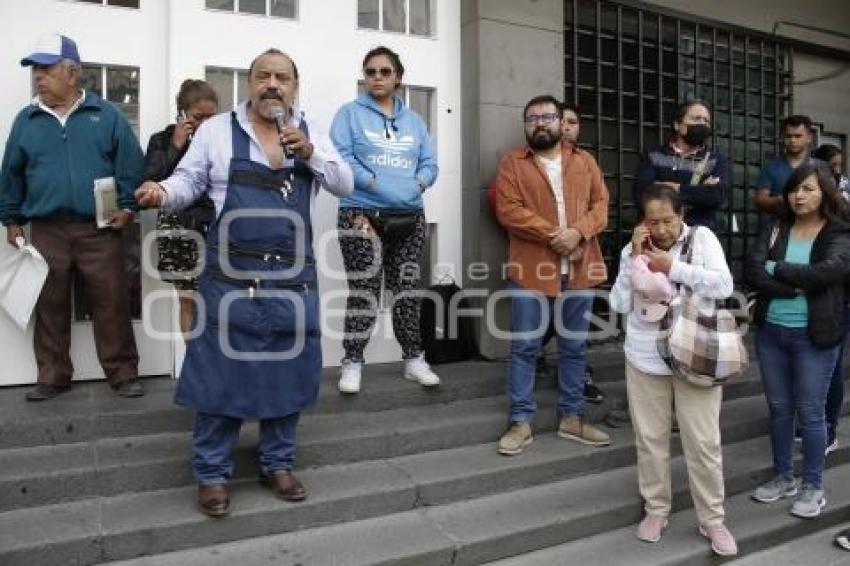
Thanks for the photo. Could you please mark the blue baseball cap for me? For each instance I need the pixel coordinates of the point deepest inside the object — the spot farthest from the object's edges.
(51, 49)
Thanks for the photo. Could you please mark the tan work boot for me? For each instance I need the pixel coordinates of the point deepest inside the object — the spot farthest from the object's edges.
(574, 428)
(517, 437)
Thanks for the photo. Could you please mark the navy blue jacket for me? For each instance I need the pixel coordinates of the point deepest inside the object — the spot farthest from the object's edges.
(701, 201)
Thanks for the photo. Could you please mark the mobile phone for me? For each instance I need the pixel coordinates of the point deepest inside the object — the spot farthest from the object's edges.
(647, 241)
(183, 118)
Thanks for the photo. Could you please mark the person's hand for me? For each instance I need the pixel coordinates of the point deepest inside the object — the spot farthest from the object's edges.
(120, 219)
(659, 260)
(150, 195)
(639, 236)
(711, 180)
(183, 130)
(565, 240)
(576, 254)
(362, 223)
(294, 140)
(14, 231)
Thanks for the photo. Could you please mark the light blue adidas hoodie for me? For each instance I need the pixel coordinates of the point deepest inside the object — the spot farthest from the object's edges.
(392, 157)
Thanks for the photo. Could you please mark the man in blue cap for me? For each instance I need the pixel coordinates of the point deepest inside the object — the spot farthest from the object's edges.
(60, 144)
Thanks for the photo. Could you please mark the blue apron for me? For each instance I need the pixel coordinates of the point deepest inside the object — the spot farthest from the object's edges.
(221, 374)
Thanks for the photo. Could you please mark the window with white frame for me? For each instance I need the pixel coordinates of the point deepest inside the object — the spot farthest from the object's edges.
(420, 99)
(272, 8)
(116, 83)
(414, 17)
(119, 84)
(231, 85)
(119, 3)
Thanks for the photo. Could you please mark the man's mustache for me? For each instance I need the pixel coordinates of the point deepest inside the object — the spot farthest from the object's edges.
(271, 95)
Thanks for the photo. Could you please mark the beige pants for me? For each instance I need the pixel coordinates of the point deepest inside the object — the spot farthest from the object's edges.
(651, 401)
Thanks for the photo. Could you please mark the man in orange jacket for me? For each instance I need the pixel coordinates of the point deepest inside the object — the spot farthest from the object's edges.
(552, 200)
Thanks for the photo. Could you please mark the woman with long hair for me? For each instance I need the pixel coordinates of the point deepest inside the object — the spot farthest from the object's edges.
(799, 267)
(178, 256)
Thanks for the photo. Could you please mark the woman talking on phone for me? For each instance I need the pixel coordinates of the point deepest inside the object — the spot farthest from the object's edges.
(382, 223)
(688, 165)
(652, 265)
(178, 256)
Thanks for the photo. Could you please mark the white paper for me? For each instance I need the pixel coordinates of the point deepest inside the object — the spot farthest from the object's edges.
(105, 200)
(22, 275)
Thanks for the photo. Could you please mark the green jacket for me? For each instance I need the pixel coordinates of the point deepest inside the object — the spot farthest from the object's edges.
(48, 171)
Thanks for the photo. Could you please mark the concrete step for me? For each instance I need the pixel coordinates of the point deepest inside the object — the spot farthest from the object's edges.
(756, 526)
(816, 549)
(488, 528)
(517, 519)
(90, 410)
(105, 467)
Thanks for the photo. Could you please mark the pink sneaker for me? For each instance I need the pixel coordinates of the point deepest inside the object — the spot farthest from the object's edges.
(651, 527)
(722, 541)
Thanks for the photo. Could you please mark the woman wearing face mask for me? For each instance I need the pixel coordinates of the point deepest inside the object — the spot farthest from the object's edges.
(701, 175)
(196, 102)
(799, 269)
(661, 243)
(382, 223)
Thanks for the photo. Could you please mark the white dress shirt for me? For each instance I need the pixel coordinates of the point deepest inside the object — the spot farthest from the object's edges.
(556, 183)
(206, 165)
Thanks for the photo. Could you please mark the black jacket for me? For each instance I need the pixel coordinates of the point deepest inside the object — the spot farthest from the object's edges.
(701, 201)
(160, 162)
(162, 157)
(822, 279)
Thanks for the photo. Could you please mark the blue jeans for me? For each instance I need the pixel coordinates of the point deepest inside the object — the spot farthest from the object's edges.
(796, 377)
(530, 315)
(835, 395)
(215, 437)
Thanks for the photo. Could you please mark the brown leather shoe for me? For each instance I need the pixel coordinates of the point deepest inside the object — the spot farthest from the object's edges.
(285, 485)
(212, 500)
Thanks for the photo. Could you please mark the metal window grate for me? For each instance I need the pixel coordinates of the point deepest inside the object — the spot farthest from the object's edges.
(627, 66)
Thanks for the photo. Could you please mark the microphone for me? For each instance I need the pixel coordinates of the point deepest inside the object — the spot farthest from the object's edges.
(280, 123)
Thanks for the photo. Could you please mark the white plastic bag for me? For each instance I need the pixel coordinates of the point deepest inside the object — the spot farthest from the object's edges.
(22, 275)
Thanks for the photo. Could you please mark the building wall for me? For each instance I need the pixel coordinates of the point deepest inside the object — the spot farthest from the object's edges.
(513, 50)
(171, 40)
(508, 50)
(824, 100)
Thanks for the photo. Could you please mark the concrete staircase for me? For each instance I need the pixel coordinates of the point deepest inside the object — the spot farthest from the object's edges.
(396, 475)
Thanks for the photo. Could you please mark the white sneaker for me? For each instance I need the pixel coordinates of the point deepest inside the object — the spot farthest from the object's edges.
(349, 378)
(417, 369)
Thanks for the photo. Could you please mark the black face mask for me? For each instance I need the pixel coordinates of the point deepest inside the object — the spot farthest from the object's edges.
(697, 134)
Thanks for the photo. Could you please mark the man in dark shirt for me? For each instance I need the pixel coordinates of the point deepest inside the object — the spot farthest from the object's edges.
(797, 133)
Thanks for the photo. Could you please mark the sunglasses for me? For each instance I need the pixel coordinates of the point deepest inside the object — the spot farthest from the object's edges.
(371, 72)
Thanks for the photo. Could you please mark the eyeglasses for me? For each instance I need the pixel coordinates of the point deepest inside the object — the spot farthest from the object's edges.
(383, 71)
(542, 118)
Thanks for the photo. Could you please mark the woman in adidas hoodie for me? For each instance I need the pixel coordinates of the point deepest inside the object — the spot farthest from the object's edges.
(382, 224)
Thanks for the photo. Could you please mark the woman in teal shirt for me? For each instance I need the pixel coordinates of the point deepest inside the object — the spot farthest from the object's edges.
(799, 267)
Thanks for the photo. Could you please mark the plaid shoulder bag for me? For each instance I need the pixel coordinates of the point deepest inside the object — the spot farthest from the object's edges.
(703, 348)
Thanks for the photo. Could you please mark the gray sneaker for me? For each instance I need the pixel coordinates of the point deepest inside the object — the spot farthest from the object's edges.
(775, 489)
(809, 503)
